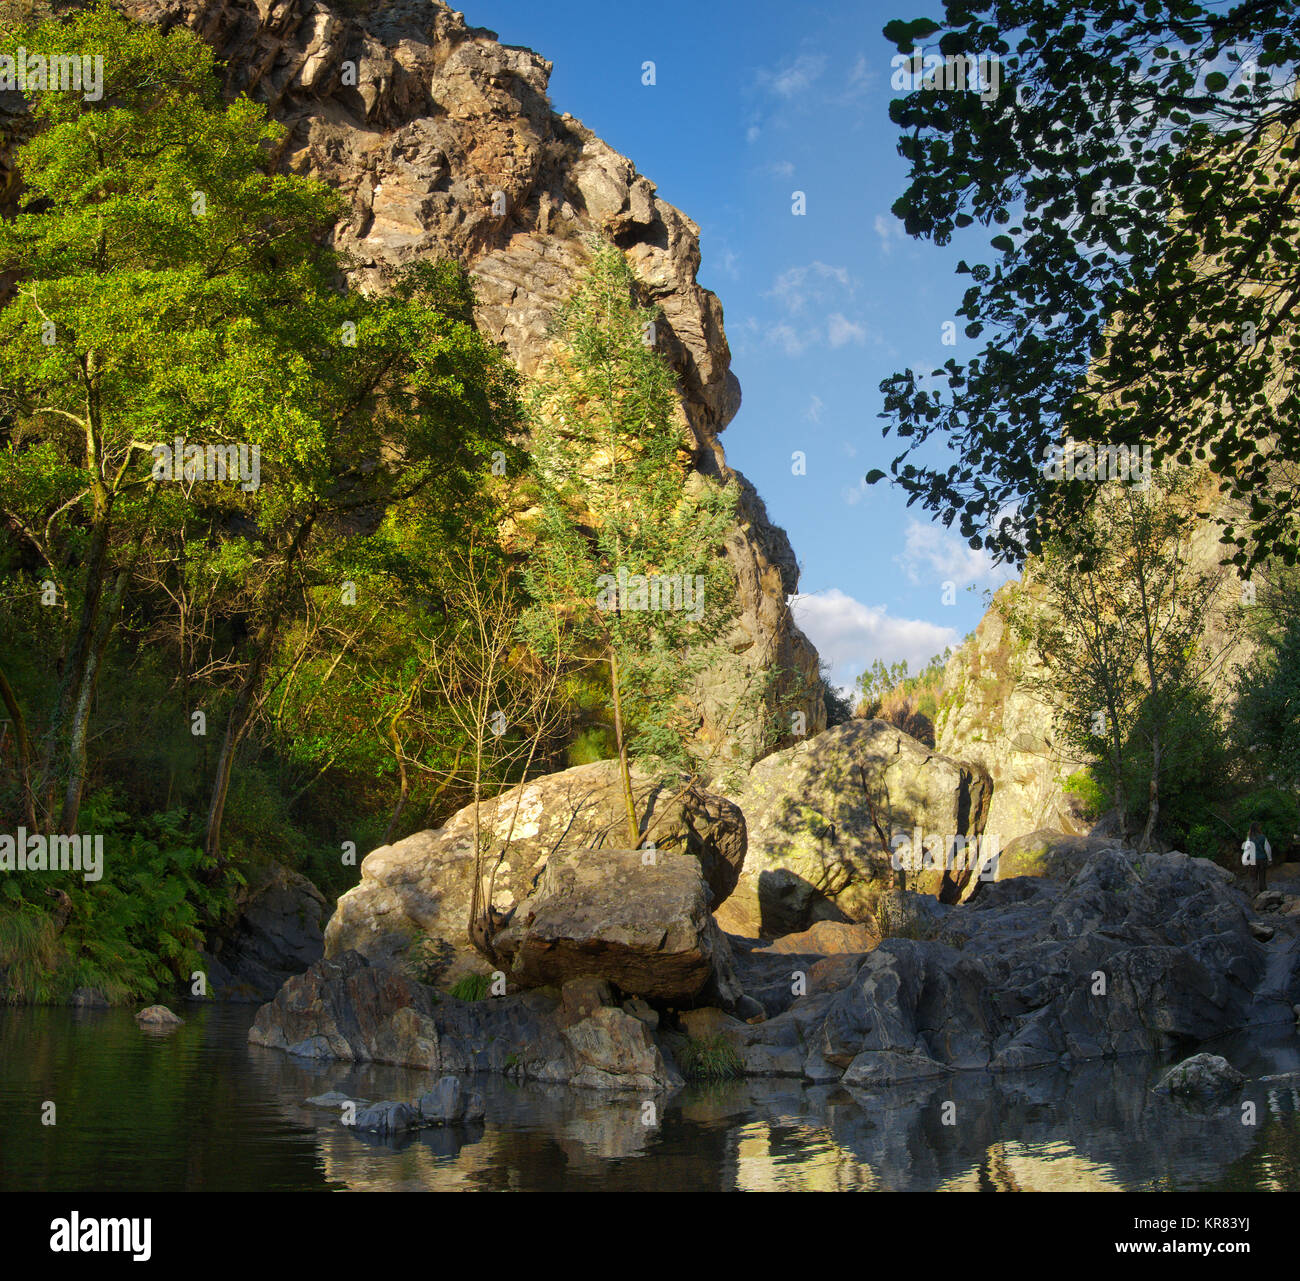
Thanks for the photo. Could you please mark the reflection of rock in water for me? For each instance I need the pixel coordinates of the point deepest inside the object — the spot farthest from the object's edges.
(1098, 1127)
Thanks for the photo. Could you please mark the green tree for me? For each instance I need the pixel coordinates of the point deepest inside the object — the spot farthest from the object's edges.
(1139, 166)
(629, 545)
(171, 285)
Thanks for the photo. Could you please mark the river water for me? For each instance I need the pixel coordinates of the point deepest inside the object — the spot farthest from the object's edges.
(200, 1109)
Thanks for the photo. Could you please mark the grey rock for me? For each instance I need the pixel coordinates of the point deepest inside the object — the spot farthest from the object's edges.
(1203, 1076)
(389, 1117)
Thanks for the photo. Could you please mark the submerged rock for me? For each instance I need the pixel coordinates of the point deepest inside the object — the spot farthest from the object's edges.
(1203, 1076)
(157, 1016)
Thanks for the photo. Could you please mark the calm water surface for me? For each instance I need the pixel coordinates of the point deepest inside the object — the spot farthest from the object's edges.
(200, 1109)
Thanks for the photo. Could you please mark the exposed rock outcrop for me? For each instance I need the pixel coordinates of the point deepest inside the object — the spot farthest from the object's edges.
(416, 893)
(352, 1011)
(814, 850)
(444, 144)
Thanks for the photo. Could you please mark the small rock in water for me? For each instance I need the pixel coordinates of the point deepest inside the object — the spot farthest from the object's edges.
(448, 1103)
(158, 1016)
(1202, 1076)
(390, 1117)
(335, 1099)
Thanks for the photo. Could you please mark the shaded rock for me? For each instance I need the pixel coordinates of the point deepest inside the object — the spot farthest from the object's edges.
(158, 1016)
(887, 1067)
(389, 1117)
(812, 842)
(1203, 1076)
(88, 998)
(1269, 901)
(1136, 954)
(418, 890)
(277, 931)
(1261, 931)
(355, 1012)
(449, 1103)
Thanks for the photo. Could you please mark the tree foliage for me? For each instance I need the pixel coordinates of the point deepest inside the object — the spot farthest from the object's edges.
(1139, 166)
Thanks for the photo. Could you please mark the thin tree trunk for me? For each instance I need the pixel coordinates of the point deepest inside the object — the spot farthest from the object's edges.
(1153, 793)
(625, 773)
(238, 720)
(23, 747)
(76, 775)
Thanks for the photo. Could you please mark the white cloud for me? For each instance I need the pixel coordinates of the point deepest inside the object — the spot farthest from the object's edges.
(792, 341)
(841, 330)
(933, 554)
(850, 636)
(890, 231)
(796, 287)
(814, 411)
(793, 78)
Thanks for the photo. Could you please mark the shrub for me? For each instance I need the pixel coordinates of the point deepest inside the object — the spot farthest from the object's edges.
(709, 1058)
(471, 987)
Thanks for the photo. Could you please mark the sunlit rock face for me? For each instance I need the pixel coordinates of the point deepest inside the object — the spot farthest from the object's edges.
(443, 142)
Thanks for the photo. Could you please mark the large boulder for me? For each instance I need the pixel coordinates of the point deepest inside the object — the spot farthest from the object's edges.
(812, 813)
(278, 931)
(412, 904)
(637, 919)
(1044, 853)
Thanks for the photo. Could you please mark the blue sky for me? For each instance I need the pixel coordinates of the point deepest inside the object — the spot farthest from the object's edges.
(753, 102)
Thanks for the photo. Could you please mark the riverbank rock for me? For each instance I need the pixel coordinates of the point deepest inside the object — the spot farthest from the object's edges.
(633, 918)
(449, 1103)
(814, 852)
(350, 1010)
(412, 904)
(1203, 1076)
(278, 931)
(158, 1016)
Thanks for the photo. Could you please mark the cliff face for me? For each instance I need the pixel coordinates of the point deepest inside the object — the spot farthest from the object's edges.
(993, 714)
(444, 143)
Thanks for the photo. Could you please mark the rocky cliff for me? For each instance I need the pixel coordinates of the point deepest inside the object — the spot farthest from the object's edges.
(994, 713)
(444, 143)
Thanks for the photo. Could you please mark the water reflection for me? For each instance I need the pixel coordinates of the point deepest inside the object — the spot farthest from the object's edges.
(201, 1109)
